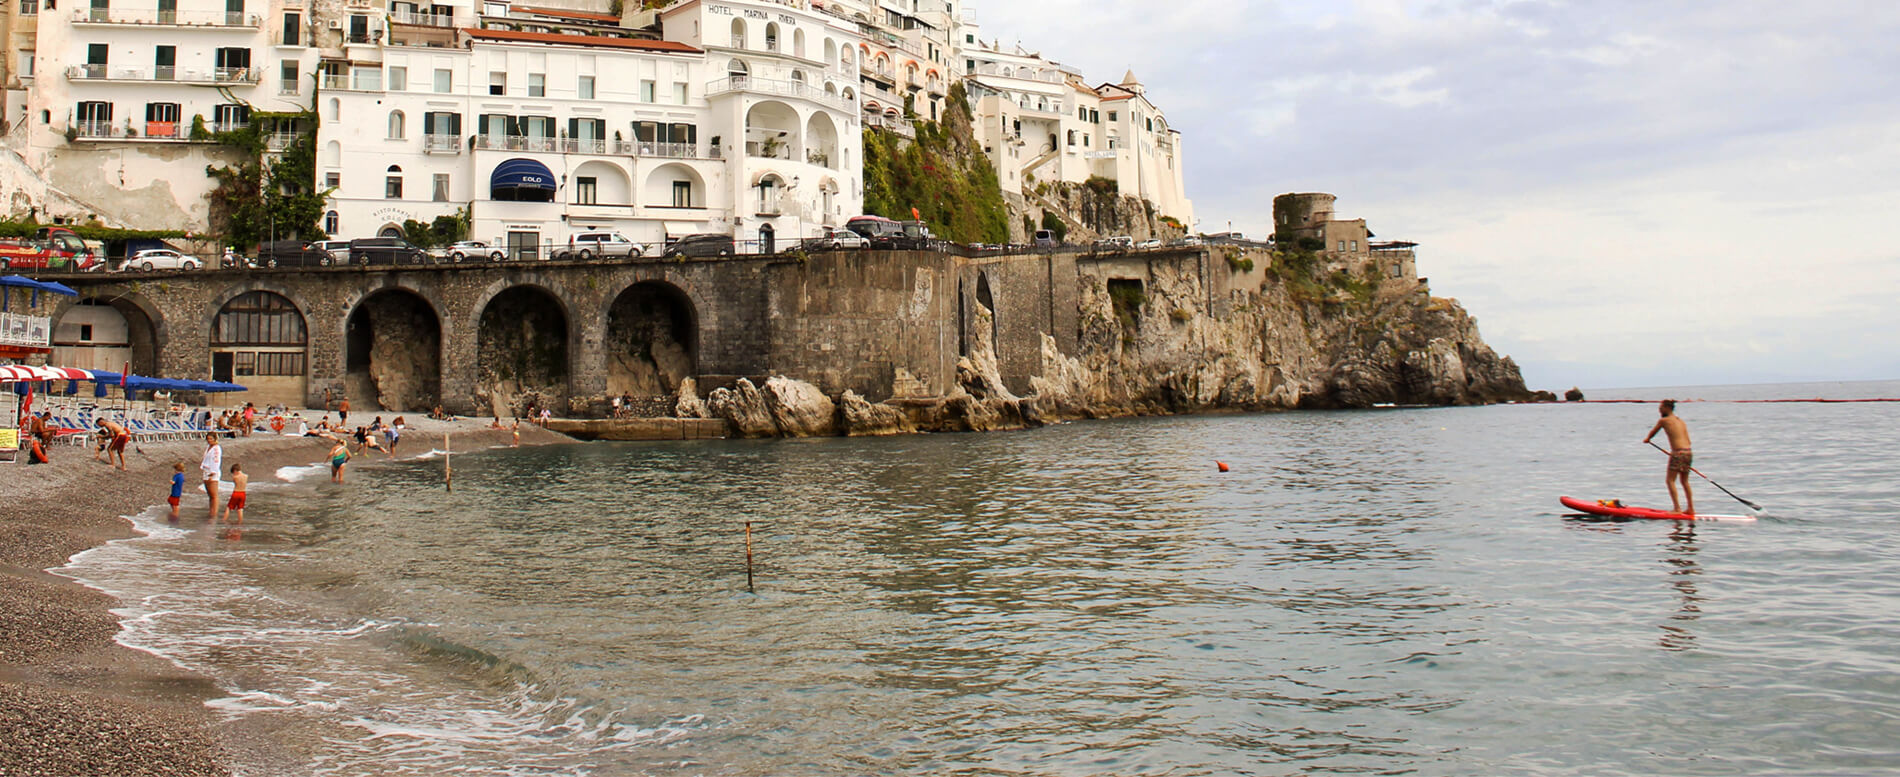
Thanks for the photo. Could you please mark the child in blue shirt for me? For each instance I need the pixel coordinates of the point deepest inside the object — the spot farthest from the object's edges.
(178, 488)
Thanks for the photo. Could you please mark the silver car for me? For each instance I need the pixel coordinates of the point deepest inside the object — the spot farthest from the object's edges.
(160, 259)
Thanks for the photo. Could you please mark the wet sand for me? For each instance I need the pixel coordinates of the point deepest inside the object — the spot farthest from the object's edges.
(72, 700)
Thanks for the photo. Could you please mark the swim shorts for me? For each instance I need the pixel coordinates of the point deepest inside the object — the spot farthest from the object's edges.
(172, 500)
(237, 501)
(1680, 461)
(118, 442)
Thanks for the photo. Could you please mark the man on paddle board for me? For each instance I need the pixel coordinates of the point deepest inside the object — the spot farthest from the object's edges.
(1680, 457)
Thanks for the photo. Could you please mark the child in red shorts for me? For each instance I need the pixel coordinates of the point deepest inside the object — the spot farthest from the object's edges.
(178, 488)
(236, 506)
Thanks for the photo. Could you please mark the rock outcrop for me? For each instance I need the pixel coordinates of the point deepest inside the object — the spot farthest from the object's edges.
(783, 408)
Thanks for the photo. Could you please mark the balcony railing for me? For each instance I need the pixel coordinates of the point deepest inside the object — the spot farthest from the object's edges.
(27, 331)
(353, 82)
(669, 150)
(220, 75)
(898, 125)
(228, 126)
(166, 18)
(428, 19)
(774, 87)
(441, 144)
(516, 143)
(278, 141)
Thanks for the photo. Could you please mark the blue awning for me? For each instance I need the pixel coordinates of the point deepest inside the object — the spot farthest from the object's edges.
(56, 288)
(522, 174)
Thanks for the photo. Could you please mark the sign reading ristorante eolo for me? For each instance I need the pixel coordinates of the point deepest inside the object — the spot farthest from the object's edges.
(392, 215)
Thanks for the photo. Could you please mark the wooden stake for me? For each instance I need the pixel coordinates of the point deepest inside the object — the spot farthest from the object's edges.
(748, 557)
(448, 476)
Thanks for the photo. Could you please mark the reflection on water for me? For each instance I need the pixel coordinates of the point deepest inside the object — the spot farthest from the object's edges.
(1361, 593)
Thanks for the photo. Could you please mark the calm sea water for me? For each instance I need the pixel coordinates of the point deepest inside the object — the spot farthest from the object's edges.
(1363, 593)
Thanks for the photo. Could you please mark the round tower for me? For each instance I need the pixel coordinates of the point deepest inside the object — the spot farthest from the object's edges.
(1297, 215)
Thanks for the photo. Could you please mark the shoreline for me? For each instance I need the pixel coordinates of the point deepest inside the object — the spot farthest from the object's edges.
(72, 699)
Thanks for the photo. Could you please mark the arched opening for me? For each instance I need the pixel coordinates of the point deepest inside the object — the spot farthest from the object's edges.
(771, 131)
(521, 352)
(737, 69)
(831, 53)
(652, 341)
(333, 154)
(332, 223)
(258, 340)
(771, 36)
(601, 183)
(821, 141)
(988, 301)
(674, 186)
(798, 43)
(738, 33)
(768, 239)
(107, 334)
(392, 353)
(396, 125)
(390, 230)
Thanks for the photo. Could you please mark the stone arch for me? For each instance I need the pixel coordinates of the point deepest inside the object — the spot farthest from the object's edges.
(259, 338)
(392, 354)
(127, 329)
(612, 186)
(521, 347)
(659, 187)
(652, 340)
(987, 299)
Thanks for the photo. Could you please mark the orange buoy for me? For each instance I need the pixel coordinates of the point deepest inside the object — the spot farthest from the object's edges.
(1222, 465)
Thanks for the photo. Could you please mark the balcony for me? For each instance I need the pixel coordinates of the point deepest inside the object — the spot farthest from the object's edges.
(221, 75)
(444, 20)
(777, 88)
(154, 18)
(891, 124)
(358, 83)
(26, 331)
(441, 144)
(278, 141)
(671, 150)
(516, 143)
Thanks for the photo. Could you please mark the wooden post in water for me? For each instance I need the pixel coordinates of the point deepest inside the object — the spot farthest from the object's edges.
(448, 476)
(748, 557)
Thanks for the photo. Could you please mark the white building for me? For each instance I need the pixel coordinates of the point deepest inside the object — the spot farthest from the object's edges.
(905, 56)
(544, 122)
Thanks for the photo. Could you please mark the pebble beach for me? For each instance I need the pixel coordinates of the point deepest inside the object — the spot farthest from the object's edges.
(72, 700)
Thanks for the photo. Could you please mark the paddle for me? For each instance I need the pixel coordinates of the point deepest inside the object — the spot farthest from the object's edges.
(1751, 505)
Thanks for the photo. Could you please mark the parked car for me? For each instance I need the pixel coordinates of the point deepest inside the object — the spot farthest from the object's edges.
(469, 251)
(1118, 241)
(292, 253)
(339, 250)
(1149, 243)
(160, 259)
(835, 239)
(709, 244)
(599, 244)
(882, 233)
(387, 250)
(1045, 238)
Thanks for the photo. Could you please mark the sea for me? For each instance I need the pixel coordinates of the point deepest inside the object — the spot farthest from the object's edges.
(1368, 592)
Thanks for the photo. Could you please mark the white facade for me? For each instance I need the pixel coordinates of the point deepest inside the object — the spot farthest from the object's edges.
(906, 53)
(695, 132)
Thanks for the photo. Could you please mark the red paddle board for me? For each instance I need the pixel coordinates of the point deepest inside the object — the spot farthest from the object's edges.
(1618, 510)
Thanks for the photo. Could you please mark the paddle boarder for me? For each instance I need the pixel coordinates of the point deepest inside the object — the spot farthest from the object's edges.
(1680, 457)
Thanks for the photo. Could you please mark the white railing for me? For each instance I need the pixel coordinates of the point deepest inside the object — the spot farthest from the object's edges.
(222, 75)
(441, 144)
(166, 18)
(516, 143)
(669, 150)
(278, 141)
(769, 86)
(898, 125)
(427, 19)
(27, 331)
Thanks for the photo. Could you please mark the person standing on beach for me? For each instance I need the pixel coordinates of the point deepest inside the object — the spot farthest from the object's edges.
(1680, 456)
(119, 439)
(343, 412)
(236, 506)
(178, 488)
(339, 456)
(209, 467)
(393, 432)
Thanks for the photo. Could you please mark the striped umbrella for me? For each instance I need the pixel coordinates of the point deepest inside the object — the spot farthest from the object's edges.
(15, 373)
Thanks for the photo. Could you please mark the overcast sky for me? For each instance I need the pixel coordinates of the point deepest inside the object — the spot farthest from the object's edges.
(1623, 193)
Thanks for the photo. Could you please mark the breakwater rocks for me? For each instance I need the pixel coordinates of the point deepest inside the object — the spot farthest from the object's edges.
(1296, 336)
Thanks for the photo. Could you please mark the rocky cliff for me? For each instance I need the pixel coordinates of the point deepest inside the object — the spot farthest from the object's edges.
(1238, 330)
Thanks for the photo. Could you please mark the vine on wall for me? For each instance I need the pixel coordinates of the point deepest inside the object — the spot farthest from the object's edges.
(259, 200)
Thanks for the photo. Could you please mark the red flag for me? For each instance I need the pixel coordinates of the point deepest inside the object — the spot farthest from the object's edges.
(123, 372)
(915, 216)
(26, 406)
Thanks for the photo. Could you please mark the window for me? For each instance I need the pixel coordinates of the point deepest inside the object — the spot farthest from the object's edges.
(442, 123)
(682, 194)
(259, 318)
(1354, 244)
(287, 77)
(441, 187)
(161, 120)
(330, 225)
(1111, 115)
(444, 80)
(332, 180)
(586, 191)
(392, 184)
(26, 62)
(293, 30)
(497, 83)
(679, 93)
(396, 125)
(231, 116)
(1071, 137)
(537, 85)
(398, 79)
(585, 90)
(359, 28)
(646, 91)
(275, 363)
(1342, 245)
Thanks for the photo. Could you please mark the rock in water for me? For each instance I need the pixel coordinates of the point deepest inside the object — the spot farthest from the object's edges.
(743, 407)
(800, 409)
(863, 419)
(689, 405)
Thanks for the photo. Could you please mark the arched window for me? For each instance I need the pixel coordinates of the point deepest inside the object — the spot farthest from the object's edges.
(798, 76)
(392, 184)
(258, 318)
(330, 225)
(737, 69)
(771, 36)
(738, 33)
(395, 125)
(798, 43)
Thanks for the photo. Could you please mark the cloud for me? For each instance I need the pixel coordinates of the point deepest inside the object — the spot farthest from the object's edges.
(1658, 193)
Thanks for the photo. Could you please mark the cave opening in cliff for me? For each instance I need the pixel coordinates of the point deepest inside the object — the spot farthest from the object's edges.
(392, 348)
(652, 341)
(521, 352)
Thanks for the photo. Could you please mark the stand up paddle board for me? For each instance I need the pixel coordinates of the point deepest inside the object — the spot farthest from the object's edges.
(1616, 509)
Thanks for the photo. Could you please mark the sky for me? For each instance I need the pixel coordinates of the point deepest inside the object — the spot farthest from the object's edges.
(1623, 193)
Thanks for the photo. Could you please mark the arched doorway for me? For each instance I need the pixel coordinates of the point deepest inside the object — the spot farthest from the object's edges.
(258, 339)
(652, 341)
(768, 239)
(392, 353)
(521, 350)
(107, 333)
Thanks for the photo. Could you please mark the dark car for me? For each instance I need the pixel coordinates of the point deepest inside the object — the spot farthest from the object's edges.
(387, 250)
(883, 234)
(710, 244)
(292, 253)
